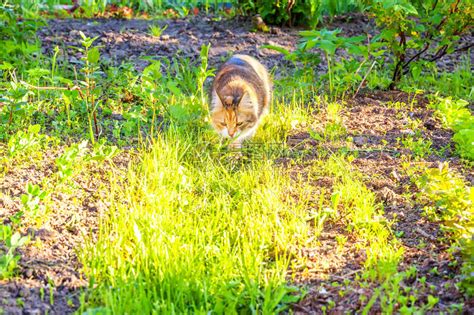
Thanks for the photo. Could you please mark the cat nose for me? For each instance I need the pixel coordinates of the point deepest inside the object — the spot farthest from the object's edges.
(231, 133)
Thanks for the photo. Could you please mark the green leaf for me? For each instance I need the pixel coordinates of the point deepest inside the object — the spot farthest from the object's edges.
(6, 66)
(15, 240)
(464, 140)
(309, 33)
(173, 87)
(358, 50)
(93, 55)
(354, 39)
(328, 46)
(24, 199)
(281, 50)
(34, 129)
(409, 8)
(204, 50)
(308, 44)
(416, 72)
(316, 136)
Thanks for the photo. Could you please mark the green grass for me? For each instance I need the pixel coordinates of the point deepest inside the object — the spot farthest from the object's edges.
(457, 83)
(449, 201)
(365, 217)
(182, 7)
(192, 230)
(148, 6)
(455, 115)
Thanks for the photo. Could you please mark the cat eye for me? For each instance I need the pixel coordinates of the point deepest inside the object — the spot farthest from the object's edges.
(240, 124)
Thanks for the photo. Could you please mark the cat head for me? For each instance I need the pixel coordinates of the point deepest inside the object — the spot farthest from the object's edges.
(234, 111)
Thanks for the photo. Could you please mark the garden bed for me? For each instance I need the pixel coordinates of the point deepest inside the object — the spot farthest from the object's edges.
(51, 277)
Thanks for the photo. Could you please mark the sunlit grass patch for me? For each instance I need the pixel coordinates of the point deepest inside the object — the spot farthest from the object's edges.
(366, 219)
(455, 114)
(450, 201)
(364, 216)
(190, 234)
(287, 115)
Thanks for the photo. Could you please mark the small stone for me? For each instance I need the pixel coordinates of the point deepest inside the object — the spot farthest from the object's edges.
(272, 43)
(45, 234)
(165, 37)
(407, 132)
(275, 30)
(24, 292)
(360, 141)
(117, 116)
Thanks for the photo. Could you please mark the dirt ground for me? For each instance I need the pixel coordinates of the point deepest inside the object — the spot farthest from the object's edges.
(131, 40)
(49, 264)
(375, 127)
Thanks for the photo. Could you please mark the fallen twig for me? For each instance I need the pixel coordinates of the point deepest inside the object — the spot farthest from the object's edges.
(363, 80)
(423, 233)
(52, 88)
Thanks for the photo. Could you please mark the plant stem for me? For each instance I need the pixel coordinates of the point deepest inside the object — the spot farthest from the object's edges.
(328, 58)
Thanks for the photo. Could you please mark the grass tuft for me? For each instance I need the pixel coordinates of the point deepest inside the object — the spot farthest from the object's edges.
(194, 235)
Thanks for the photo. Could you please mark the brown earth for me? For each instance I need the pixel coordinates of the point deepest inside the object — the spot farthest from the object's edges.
(49, 264)
(375, 125)
(131, 40)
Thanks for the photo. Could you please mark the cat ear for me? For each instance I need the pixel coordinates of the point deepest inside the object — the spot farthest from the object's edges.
(240, 99)
(220, 99)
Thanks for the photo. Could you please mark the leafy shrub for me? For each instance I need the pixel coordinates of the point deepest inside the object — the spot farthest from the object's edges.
(417, 33)
(455, 115)
(420, 30)
(10, 241)
(281, 12)
(451, 202)
(16, 34)
(465, 143)
(344, 75)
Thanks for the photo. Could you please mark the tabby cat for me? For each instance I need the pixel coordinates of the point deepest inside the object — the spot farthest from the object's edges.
(240, 97)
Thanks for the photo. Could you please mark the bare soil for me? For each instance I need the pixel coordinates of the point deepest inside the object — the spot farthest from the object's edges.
(375, 125)
(131, 40)
(49, 266)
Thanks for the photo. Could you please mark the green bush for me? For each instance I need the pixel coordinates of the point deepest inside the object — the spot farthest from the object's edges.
(16, 34)
(415, 33)
(282, 12)
(455, 115)
(451, 204)
(420, 31)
